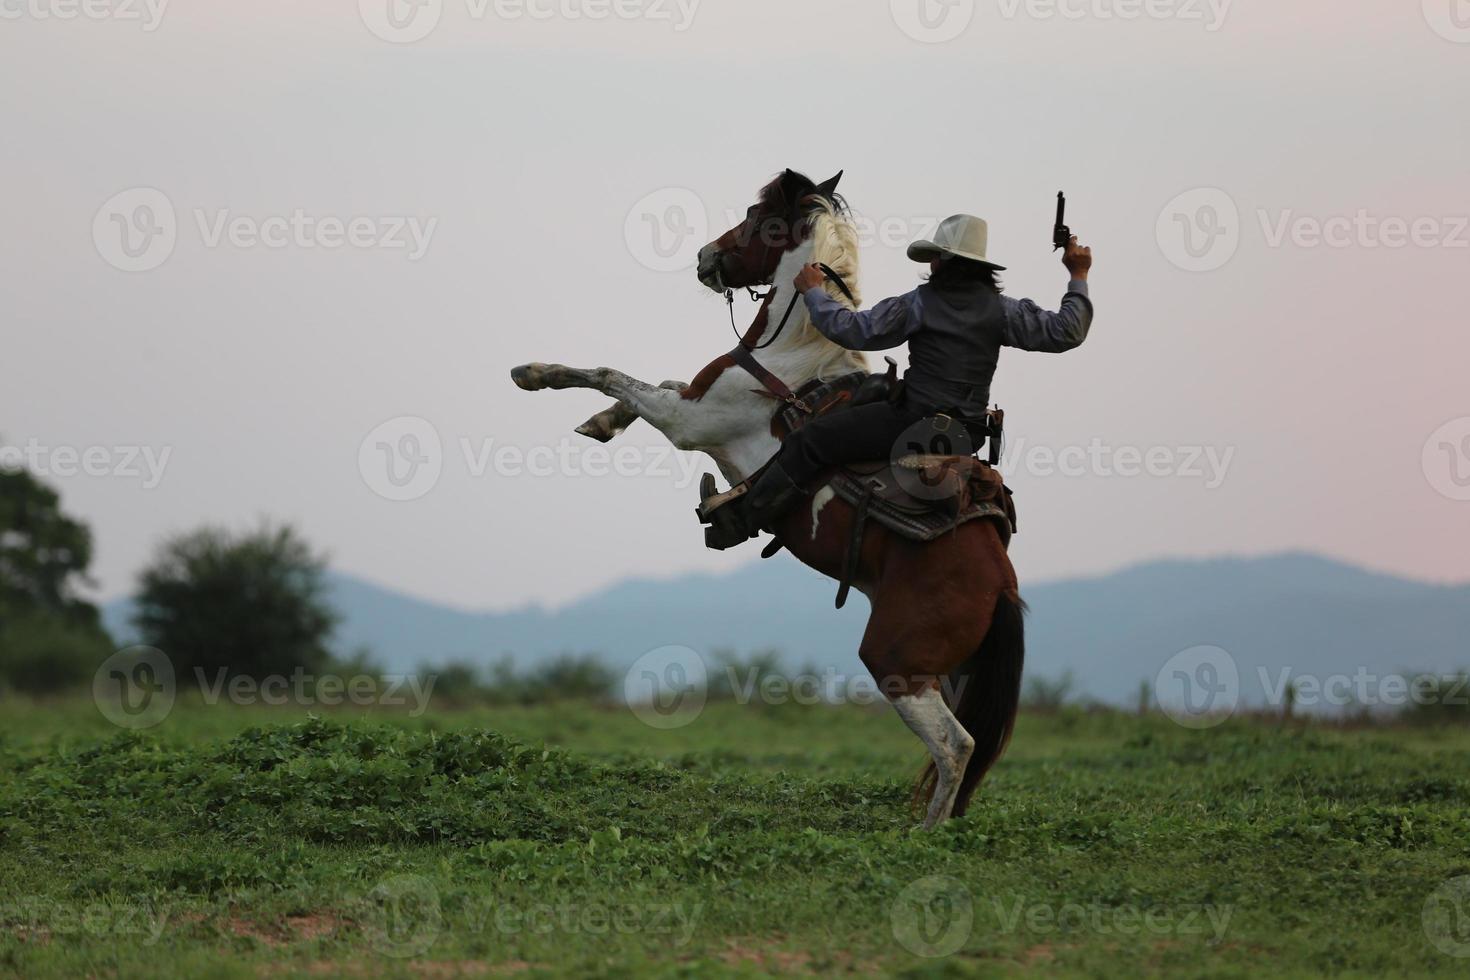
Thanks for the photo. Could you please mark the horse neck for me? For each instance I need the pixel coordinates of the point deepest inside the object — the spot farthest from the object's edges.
(801, 353)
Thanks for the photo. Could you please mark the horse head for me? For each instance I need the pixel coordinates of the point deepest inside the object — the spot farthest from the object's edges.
(780, 220)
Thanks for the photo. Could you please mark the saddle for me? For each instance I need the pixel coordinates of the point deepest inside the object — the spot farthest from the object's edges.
(919, 497)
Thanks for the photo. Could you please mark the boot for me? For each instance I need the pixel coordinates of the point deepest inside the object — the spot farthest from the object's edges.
(771, 498)
(737, 520)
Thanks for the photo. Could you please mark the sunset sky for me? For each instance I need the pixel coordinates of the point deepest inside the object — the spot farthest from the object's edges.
(1309, 335)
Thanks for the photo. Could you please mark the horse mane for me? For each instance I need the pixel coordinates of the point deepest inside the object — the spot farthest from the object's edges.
(827, 222)
(834, 240)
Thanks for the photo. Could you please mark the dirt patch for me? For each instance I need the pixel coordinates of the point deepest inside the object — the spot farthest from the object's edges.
(245, 929)
(470, 968)
(1038, 954)
(758, 953)
(434, 970)
(314, 925)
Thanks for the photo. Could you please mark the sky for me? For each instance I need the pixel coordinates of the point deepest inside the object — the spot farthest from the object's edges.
(255, 253)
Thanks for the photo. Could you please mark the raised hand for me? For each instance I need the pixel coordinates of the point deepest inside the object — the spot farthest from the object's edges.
(1077, 258)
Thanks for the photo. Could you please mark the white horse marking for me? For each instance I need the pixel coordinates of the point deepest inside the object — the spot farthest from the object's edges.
(822, 498)
(949, 745)
(732, 422)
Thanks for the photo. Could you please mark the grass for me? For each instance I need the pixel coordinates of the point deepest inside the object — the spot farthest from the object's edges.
(574, 840)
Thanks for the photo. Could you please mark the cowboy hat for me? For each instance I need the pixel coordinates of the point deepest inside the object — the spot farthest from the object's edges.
(962, 235)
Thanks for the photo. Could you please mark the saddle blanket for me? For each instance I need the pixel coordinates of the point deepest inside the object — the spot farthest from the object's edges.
(923, 497)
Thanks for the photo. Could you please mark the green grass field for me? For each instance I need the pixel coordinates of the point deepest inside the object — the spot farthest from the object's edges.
(574, 840)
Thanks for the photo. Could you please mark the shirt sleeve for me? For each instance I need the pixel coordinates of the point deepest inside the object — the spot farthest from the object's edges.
(1029, 327)
(886, 325)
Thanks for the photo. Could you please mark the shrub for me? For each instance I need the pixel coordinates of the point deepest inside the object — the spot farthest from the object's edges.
(252, 603)
(44, 654)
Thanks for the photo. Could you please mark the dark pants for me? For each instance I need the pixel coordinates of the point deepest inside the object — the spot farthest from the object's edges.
(853, 435)
(879, 431)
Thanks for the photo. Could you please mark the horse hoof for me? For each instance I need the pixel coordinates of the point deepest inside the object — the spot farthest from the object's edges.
(593, 430)
(528, 377)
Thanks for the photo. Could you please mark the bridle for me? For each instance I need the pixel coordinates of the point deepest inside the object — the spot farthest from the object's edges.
(828, 272)
(743, 354)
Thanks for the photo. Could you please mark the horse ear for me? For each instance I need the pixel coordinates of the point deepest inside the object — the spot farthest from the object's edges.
(828, 187)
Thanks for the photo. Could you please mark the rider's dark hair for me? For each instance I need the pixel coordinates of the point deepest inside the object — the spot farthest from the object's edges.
(956, 272)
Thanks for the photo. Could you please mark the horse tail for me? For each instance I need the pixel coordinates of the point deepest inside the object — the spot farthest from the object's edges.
(986, 693)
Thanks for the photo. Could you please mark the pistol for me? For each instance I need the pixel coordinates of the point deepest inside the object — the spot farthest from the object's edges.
(1061, 234)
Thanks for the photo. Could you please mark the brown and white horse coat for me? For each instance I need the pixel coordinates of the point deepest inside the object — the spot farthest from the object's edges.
(946, 610)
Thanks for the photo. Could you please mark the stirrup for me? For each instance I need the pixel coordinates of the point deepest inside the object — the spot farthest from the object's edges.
(711, 501)
(727, 524)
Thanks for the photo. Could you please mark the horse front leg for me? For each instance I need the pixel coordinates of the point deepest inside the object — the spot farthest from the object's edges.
(612, 422)
(663, 407)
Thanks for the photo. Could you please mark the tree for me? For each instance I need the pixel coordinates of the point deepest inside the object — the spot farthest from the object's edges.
(250, 603)
(50, 637)
(43, 553)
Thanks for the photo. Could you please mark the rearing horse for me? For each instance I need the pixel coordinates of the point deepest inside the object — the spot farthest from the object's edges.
(947, 609)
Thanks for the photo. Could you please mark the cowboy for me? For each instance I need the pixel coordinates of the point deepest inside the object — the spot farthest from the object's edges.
(955, 325)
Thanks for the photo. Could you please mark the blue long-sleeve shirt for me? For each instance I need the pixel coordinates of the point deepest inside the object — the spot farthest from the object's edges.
(891, 322)
(954, 337)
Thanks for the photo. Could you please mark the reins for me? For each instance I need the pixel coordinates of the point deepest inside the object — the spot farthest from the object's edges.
(828, 272)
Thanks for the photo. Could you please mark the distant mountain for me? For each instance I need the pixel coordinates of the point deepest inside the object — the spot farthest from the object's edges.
(1307, 613)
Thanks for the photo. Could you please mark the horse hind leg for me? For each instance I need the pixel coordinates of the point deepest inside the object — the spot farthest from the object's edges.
(950, 746)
